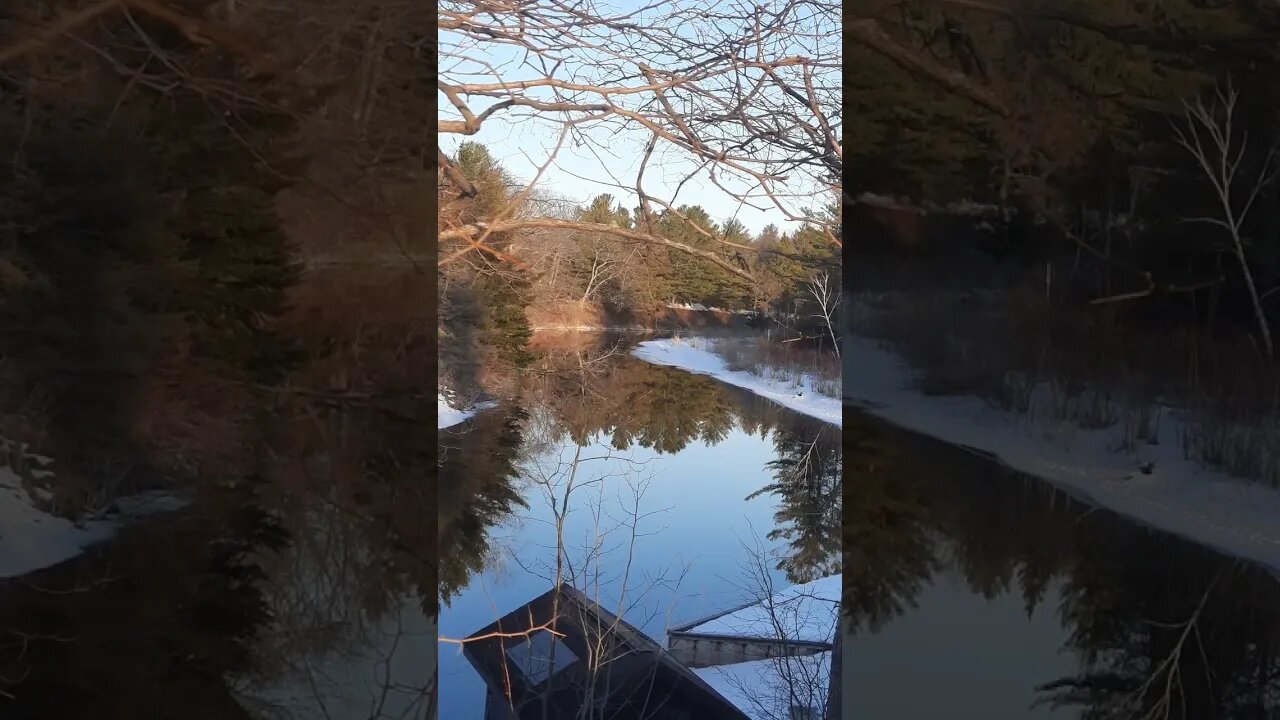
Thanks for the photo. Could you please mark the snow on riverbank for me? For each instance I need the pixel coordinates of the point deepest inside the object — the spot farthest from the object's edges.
(447, 415)
(1178, 496)
(802, 398)
(32, 539)
(767, 689)
(805, 612)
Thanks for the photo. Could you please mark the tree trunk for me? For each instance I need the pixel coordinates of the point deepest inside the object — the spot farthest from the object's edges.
(1263, 327)
(833, 686)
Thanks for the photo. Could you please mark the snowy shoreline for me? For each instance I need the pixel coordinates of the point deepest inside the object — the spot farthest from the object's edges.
(448, 416)
(679, 354)
(32, 538)
(1179, 496)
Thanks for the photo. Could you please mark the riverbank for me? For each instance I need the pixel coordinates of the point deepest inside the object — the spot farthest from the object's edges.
(592, 318)
(447, 415)
(798, 396)
(33, 539)
(1177, 495)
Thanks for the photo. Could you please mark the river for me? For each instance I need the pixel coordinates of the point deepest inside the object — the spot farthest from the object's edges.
(665, 495)
(305, 589)
(309, 590)
(974, 591)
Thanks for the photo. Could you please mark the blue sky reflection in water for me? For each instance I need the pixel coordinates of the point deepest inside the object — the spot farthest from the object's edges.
(690, 551)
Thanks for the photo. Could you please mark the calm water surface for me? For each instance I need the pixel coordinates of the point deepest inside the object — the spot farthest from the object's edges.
(667, 485)
(304, 591)
(975, 592)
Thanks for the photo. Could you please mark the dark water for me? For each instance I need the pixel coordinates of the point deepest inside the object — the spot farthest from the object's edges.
(670, 488)
(975, 592)
(309, 588)
(305, 590)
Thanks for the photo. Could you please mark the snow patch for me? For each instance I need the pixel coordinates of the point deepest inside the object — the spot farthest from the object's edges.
(805, 612)
(32, 539)
(447, 415)
(768, 689)
(1178, 496)
(801, 398)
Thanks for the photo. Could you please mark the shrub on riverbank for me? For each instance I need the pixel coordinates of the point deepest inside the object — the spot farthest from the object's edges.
(793, 363)
(1060, 365)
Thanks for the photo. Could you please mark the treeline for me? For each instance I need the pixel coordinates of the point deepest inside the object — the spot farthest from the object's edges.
(1081, 126)
(1081, 197)
(587, 277)
(160, 200)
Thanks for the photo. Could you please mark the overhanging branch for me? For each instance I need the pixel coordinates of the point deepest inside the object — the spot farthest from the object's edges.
(467, 232)
(869, 34)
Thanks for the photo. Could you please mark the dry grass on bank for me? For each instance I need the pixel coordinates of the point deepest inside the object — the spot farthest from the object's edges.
(568, 316)
(1055, 365)
(786, 362)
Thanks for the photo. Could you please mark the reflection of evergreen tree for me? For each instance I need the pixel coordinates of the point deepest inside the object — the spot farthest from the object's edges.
(807, 481)
(232, 606)
(635, 403)
(396, 505)
(1190, 626)
(477, 491)
(666, 409)
(1124, 593)
(140, 626)
(888, 554)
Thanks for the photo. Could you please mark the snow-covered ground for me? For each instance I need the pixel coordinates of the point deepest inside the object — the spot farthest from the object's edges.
(767, 689)
(804, 612)
(447, 415)
(799, 397)
(31, 539)
(1178, 496)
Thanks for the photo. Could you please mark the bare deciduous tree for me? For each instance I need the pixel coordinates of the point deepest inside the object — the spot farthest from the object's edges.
(740, 96)
(790, 684)
(1208, 135)
(827, 297)
(597, 558)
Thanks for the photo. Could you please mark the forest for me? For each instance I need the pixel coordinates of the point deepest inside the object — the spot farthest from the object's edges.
(579, 279)
(1080, 195)
(735, 101)
(211, 287)
(186, 203)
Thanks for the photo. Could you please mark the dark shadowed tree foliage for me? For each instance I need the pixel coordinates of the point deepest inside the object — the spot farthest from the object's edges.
(807, 484)
(1064, 114)
(1154, 623)
(889, 553)
(480, 489)
(169, 324)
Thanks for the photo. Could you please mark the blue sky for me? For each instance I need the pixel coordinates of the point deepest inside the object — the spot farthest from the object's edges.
(580, 174)
(608, 163)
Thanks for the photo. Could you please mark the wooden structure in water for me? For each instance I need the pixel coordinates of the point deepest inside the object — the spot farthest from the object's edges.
(797, 621)
(541, 661)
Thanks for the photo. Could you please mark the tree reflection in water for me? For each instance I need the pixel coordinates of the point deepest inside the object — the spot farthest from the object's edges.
(577, 393)
(1159, 627)
(299, 581)
(586, 398)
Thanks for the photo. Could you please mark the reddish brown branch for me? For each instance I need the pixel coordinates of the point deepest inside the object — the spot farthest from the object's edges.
(469, 231)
